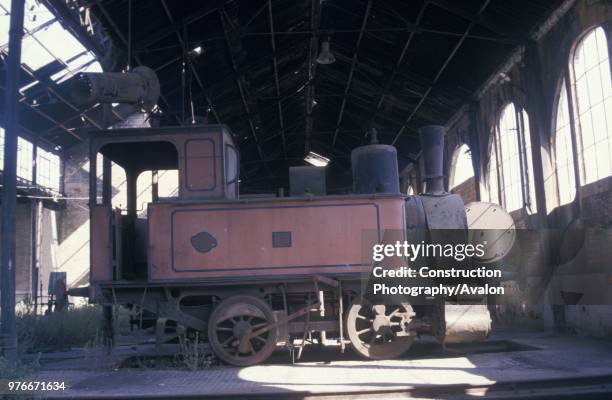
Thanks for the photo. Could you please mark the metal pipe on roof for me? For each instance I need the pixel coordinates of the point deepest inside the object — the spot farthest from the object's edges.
(139, 87)
(8, 335)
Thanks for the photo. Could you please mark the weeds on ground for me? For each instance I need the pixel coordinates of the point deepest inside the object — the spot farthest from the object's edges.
(96, 349)
(194, 353)
(57, 331)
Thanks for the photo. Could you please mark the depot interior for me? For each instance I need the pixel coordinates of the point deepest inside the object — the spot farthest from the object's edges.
(522, 87)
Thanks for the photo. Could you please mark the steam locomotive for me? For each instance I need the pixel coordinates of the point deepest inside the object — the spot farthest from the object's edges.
(255, 273)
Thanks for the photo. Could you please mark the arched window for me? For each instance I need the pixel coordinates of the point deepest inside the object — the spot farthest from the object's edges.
(588, 105)
(562, 146)
(590, 71)
(508, 151)
(462, 168)
(410, 191)
(514, 160)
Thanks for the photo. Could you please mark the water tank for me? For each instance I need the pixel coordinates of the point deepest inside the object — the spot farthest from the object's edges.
(375, 169)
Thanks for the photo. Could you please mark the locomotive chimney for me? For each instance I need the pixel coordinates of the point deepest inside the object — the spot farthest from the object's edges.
(432, 146)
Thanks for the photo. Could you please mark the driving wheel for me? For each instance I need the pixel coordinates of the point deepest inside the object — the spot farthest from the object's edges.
(233, 331)
(377, 331)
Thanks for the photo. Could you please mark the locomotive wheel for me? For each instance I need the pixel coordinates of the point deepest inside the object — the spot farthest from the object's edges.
(232, 322)
(376, 331)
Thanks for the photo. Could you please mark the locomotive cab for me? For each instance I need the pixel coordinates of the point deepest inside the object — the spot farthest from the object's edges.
(206, 162)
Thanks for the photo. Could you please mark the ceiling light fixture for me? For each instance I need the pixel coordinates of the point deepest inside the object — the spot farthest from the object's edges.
(317, 160)
(196, 51)
(326, 56)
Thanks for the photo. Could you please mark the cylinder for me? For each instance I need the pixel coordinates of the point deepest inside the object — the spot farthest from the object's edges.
(465, 323)
(432, 147)
(375, 169)
(139, 87)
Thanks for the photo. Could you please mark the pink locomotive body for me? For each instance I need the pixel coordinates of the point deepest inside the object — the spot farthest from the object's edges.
(248, 271)
(266, 237)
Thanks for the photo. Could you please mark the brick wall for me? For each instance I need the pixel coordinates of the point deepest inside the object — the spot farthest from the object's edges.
(23, 256)
(467, 190)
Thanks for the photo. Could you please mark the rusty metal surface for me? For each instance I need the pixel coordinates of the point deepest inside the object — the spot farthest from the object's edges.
(327, 236)
(101, 268)
(200, 156)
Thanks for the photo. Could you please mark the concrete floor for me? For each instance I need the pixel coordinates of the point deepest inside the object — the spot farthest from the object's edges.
(511, 358)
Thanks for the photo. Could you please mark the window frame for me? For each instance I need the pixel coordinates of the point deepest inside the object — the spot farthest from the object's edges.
(493, 166)
(575, 116)
(568, 82)
(561, 87)
(455, 161)
(525, 172)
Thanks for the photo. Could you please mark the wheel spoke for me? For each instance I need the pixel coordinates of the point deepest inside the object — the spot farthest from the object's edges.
(222, 328)
(395, 312)
(220, 321)
(361, 332)
(261, 339)
(227, 341)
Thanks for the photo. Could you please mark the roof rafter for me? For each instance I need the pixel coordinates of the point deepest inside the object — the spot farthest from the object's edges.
(366, 16)
(396, 67)
(241, 89)
(276, 80)
(477, 19)
(440, 72)
(183, 42)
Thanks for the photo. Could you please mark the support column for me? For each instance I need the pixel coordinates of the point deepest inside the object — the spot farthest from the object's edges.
(474, 139)
(108, 329)
(9, 191)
